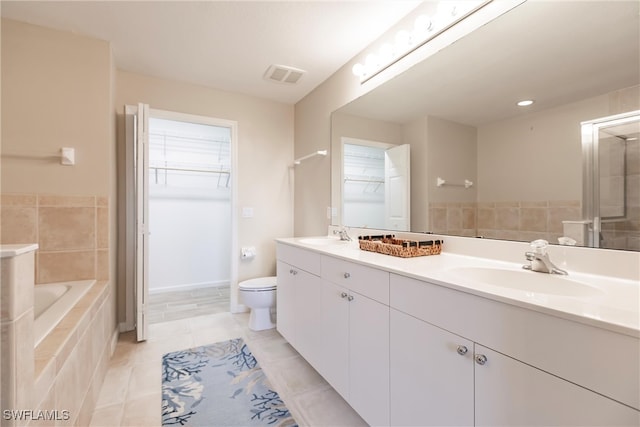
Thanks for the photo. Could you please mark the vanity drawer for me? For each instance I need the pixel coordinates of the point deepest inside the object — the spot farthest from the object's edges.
(303, 259)
(597, 359)
(367, 281)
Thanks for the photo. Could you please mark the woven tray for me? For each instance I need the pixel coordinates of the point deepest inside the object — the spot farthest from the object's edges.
(389, 245)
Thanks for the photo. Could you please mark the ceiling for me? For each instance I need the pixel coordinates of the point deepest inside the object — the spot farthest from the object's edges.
(224, 44)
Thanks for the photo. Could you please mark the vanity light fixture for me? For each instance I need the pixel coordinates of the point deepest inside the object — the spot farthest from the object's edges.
(425, 28)
(525, 103)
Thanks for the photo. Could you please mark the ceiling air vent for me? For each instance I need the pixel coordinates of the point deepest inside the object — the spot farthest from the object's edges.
(283, 74)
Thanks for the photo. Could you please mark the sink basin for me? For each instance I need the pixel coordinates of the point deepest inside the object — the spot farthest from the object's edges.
(528, 281)
(322, 241)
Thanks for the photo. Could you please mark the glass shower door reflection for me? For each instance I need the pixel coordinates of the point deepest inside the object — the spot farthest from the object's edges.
(612, 181)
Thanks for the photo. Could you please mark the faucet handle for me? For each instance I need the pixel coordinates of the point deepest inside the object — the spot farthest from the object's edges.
(539, 246)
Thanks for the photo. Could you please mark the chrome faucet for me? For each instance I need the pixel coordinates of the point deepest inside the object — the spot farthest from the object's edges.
(343, 234)
(539, 259)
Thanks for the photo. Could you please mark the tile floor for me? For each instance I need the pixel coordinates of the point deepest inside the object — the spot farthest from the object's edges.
(131, 393)
(165, 306)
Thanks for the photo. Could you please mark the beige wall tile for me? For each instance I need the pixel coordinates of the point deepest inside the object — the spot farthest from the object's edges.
(454, 218)
(469, 218)
(507, 218)
(438, 219)
(486, 218)
(68, 201)
(103, 270)
(533, 219)
(8, 199)
(18, 224)
(65, 266)
(65, 228)
(102, 228)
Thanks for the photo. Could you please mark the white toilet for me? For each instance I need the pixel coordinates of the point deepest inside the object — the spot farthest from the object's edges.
(259, 295)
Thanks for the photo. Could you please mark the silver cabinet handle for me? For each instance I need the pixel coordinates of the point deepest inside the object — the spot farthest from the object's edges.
(481, 359)
(343, 295)
(350, 298)
(462, 350)
(347, 275)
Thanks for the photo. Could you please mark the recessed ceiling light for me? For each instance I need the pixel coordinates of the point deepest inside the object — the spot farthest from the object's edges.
(525, 103)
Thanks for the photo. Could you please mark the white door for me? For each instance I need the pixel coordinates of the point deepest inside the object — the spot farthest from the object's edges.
(397, 188)
(142, 219)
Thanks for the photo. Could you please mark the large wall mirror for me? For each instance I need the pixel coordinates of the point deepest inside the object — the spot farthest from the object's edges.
(480, 165)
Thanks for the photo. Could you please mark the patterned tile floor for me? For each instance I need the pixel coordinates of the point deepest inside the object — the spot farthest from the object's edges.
(131, 393)
(175, 305)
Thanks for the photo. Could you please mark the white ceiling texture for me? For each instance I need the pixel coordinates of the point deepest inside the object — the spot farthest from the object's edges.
(227, 45)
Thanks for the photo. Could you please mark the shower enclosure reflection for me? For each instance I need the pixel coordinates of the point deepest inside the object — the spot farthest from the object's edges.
(611, 164)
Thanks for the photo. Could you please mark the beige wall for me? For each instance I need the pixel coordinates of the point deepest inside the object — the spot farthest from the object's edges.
(56, 92)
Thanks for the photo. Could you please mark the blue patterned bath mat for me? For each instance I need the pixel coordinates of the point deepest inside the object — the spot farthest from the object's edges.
(219, 385)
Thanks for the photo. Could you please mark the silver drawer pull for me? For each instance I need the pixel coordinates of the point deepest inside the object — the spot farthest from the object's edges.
(481, 359)
(462, 350)
(350, 298)
(343, 295)
(347, 275)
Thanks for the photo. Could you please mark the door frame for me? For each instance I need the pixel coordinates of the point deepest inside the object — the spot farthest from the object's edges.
(127, 213)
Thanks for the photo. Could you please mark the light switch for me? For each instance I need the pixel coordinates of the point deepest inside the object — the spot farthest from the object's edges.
(247, 212)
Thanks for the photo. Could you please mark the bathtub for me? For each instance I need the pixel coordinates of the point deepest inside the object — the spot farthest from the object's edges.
(52, 302)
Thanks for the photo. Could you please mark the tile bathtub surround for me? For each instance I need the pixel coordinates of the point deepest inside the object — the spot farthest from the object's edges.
(71, 362)
(16, 331)
(72, 233)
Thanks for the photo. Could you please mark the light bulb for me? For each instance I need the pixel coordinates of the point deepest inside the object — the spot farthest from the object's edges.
(386, 53)
(371, 64)
(422, 24)
(358, 69)
(525, 103)
(403, 41)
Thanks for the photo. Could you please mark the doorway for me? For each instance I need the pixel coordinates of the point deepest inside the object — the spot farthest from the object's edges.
(182, 167)
(375, 185)
(189, 218)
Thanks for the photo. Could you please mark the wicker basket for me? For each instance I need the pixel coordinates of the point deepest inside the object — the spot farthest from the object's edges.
(389, 245)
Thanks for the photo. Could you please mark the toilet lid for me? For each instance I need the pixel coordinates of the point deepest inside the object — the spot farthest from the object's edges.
(260, 283)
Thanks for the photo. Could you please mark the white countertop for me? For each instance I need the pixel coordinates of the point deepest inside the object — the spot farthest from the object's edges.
(8, 251)
(614, 306)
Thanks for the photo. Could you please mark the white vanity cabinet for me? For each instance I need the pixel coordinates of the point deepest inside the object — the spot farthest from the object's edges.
(488, 386)
(355, 333)
(298, 295)
(431, 374)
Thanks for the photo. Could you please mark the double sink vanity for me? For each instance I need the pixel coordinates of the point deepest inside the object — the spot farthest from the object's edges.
(460, 339)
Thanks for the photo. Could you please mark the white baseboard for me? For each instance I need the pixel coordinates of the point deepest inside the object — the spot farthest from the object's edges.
(189, 286)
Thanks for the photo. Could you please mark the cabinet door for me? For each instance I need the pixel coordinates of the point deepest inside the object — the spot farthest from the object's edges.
(431, 374)
(509, 392)
(369, 359)
(285, 300)
(307, 315)
(334, 366)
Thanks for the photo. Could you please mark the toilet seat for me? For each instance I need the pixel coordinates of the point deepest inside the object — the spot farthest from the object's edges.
(259, 284)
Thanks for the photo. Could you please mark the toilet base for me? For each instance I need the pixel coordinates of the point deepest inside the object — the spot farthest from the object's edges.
(260, 319)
